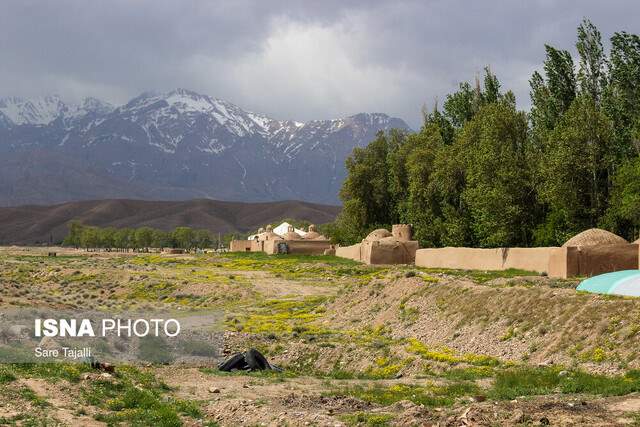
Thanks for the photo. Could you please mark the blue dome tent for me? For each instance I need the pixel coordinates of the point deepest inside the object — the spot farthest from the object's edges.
(625, 282)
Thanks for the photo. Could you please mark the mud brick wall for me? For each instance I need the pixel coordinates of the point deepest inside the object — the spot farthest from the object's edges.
(530, 259)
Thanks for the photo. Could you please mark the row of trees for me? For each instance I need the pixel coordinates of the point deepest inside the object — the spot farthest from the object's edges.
(136, 239)
(482, 173)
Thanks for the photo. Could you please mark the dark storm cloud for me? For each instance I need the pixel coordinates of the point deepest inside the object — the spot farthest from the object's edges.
(297, 60)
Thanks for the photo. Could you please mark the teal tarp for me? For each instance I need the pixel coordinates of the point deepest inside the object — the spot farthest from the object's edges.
(626, 282)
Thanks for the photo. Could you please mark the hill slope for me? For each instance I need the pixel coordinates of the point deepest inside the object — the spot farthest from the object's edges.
(37, 224)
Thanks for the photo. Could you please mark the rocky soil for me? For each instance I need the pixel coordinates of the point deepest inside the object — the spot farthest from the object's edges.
(358, 345)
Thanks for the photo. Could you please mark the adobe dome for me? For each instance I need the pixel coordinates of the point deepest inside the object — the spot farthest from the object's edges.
(378, 234)
(312, 234)
(269, 235)
(594, 237)
(291, 234)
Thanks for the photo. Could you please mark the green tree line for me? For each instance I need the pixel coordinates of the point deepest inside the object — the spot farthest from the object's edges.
(482, 173)
(136, 239)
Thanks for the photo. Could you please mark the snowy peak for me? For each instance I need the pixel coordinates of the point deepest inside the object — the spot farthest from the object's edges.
(94, 105)
(319, 130)
(45, 110)
(38, 111)
(155, 109)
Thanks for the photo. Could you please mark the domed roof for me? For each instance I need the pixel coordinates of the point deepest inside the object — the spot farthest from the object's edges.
(378, 234)
(270, 235)
(312, 234)
(291, 234)
(594, 237)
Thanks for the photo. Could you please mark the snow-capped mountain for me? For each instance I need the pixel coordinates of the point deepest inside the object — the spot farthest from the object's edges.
(173, 145)
(40, 111)
(44, 111)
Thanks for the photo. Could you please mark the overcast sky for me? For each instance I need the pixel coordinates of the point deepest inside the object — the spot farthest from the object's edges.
(289, 59)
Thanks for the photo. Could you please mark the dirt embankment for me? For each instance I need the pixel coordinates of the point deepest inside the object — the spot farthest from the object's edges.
(535, 323)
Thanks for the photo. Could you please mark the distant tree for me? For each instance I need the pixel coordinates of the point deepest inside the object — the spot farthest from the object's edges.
(622, 98)
(107, 238)
(161, 239)
(397, 175)
(561, 79)
(623, 213)
(122, 239)
(143, 237)
(592, 77)
(365, 192)
(74, 235)
(227, 238)
(184, 237)
(575, 172)
(491, 93)
(460, 106)
(350, 226)
(203, 239)
(542, 115)
(498, 191)
(90, 238)
(552, 94)
(424, 201)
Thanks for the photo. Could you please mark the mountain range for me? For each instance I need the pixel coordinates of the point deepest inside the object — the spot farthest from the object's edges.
(176, 145)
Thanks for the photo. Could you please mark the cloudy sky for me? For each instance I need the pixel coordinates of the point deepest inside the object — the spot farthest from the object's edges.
(291, 60)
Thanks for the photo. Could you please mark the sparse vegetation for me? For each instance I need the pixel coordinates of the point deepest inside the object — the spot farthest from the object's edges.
(134, 397)
(366, 419)
(528, 381)
(431, 395)
(341, 329)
